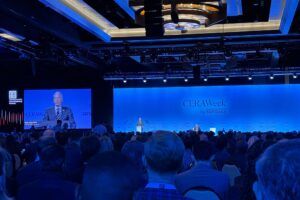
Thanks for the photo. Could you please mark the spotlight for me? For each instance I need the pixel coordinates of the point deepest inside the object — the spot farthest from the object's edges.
(144, 80)
(186, 80)
(124, 80)
(165, 80)
(205, 79)
(227, 78)
(271, 77)
(249, 78)
(295, 76)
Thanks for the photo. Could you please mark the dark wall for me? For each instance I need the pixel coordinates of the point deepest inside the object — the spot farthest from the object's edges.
(20, 76)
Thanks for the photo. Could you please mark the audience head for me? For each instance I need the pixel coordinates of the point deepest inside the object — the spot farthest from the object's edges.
(49, 133)
(278, 172)
(252, 140)
(52, 158)
(62, 138)
(105, 144)
(89, 146)
(100, 130)
(164, 152)
(35, 136)
(203, 137)
(202, 150)
(135, 151)
(45, 142)
(110, 175)
(221, 142)
(75, 137)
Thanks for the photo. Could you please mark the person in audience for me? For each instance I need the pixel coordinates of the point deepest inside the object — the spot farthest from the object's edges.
(203, 174)
(135, 151)
(32, 171)
(89, 147)
(111, 176)
(238, 158)
(105, 144)
(72, 150)
(4, 159)
(278, 172)
(188, 157)
(51, 185)
(49, 133)
(163, 159)
(30, 152)
(249, 177)
(222, 154)
(100, 130)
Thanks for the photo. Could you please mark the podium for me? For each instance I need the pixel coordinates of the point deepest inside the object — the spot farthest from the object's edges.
(139, 128)
(52, 124)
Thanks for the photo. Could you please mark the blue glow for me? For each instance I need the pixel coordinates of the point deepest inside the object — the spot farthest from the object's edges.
(77, 18)
(79, 100)
(243, 108)
(288, 15)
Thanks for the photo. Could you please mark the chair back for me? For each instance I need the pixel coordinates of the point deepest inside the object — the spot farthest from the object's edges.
(202, 193)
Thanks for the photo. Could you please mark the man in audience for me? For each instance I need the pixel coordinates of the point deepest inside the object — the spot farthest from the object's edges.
(72, 150)
(110, 176)
(89, 146)
(105, 144)
(278, 172)
(222, 154)
(203, 174)
(33, 170)
(51, 184)
(163, 159)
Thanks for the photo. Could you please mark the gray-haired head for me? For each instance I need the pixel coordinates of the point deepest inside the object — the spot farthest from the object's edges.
(57, 98)
(278, 172)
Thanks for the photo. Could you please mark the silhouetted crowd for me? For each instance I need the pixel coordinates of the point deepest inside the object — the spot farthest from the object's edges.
(161, 165)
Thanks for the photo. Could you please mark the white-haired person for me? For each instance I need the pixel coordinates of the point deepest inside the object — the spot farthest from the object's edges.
(278, 172)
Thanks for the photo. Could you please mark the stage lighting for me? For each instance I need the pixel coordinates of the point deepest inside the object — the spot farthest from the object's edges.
(227, 78)
(205, 79)
(165, 80)
(295, 76)
(271, 77)
(186, 80)
(10, 36)
(144, 80)
(124, 80)
(249, 78)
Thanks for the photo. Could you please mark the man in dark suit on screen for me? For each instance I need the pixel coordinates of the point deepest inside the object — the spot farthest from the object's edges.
(60, 113)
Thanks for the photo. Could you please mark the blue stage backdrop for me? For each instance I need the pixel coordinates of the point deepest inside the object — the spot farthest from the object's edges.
(36, 102)
(242, 108)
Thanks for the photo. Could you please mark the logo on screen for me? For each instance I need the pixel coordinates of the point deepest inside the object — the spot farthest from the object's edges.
(13, 97)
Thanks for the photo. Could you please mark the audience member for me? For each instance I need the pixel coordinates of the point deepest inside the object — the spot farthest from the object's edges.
(110, 175)
(203, 174)
(105, 144)
(32, 171)
(4, 158)
(51, 185)
(222, 154)
(278, 172)
(163, 158)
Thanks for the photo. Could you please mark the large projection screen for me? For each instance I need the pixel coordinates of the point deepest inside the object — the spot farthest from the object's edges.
(40, 109)
(240, 108)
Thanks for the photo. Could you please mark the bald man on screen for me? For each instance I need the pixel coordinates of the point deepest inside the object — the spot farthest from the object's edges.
(60, 112)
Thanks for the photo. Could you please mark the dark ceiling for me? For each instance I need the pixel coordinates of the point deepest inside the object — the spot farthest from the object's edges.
(54, 44)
